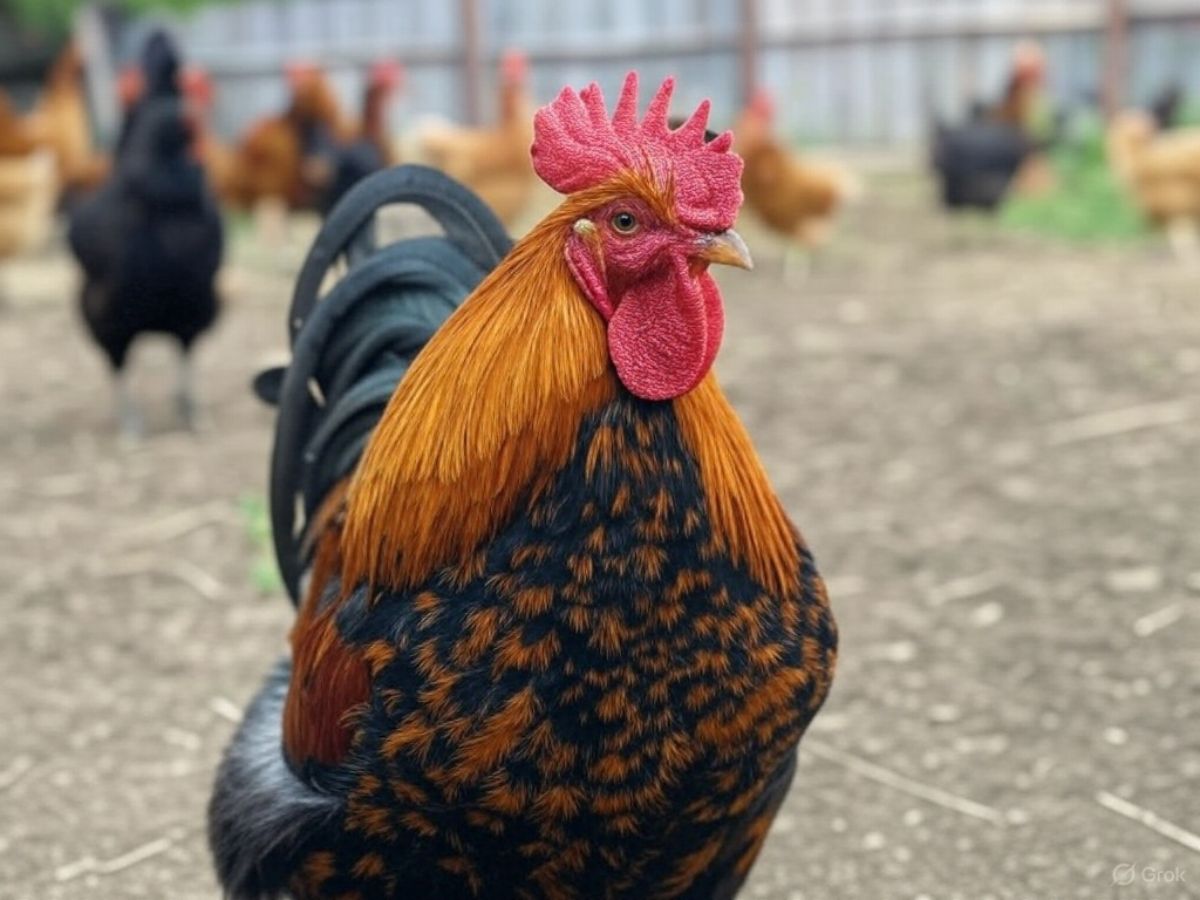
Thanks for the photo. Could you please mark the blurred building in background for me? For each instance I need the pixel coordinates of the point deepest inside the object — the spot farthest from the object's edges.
(846, 71)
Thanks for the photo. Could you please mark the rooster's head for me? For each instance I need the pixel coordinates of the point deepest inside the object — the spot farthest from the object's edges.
(650, 209)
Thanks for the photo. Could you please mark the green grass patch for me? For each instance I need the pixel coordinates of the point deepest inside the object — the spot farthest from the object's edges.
(1086, 205)
(264, 573)
(1189, 114)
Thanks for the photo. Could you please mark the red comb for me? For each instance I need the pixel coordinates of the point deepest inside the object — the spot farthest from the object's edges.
(575, 147)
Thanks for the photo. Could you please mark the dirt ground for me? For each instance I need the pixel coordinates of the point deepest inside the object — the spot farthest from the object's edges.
(991, 443)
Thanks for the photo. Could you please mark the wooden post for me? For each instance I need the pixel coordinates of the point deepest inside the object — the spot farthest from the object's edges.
(472, 53)
(748, 50)
(1116, 56)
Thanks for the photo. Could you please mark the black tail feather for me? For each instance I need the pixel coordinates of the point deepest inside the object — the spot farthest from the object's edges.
(351, 347)
(261, 814)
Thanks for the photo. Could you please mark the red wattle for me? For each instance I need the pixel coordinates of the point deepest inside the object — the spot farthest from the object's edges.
(666, 331)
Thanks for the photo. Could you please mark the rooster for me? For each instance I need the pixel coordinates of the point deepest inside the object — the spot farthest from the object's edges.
(558, 637)
(149, 242)
(1025, 108)
(493, 162)
(1021, 103)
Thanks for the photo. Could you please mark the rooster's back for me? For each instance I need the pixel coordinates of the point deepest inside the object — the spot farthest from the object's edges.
(351, 346)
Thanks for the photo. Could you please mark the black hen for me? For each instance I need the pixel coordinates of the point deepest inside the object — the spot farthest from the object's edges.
(976, 162)
(160, 66)
(150, 243)
(1167, 106)
(350, 165)
(370, 151)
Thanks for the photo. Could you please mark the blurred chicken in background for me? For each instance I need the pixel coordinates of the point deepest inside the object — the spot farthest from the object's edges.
(977, 162)
(16, 135)
(141, 87)
(1168, 105)
(492, 162)
(996, 150)
(796, 196)
(60, 122)
(1026, 107)
(1023, 102)
(214, 154)
(150, 243)
(1161, 171)
(286, 162)
(130, 87)
(370, 146)
(28, 187)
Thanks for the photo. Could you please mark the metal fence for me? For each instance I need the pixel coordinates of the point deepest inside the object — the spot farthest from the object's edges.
(845, 71)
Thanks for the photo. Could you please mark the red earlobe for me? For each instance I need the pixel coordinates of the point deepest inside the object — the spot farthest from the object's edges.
(587, 266)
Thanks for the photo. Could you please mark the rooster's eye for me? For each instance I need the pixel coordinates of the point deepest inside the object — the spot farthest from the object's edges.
(624, 223)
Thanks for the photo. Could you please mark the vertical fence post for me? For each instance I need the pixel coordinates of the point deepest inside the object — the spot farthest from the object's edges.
(748, 49)
(472, 57)
(1116, 56)
(100, 80)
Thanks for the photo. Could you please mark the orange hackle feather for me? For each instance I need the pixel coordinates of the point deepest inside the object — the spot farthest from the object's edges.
(486, 417)
(747, 520)
(490, 411)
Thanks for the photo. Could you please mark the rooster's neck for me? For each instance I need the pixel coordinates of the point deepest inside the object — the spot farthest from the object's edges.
(747, 520)
(486, 416)
(491, 412)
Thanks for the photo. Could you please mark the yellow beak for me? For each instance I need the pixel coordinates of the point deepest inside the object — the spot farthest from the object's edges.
(725, 249)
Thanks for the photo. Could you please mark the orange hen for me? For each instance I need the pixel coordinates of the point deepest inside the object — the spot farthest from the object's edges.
(27, 184)
(60, 122)
(213, 153)
(794, 196)
(1161, 172)
(493, 162)
(280, 158)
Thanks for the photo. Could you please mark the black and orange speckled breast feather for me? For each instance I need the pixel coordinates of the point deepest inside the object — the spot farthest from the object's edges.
(601, 703)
